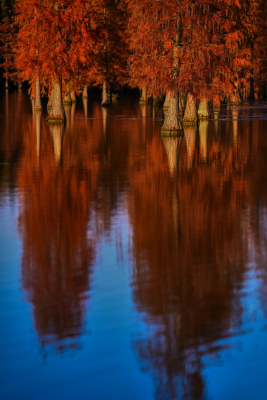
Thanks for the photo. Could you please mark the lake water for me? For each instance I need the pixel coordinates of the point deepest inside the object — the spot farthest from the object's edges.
(132, 266)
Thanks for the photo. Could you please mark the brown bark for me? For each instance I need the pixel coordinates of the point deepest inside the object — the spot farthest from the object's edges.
(38, 104)
(190, 114)
(106, 95)
(67, 98)
(167, 100)
(203, 109)
(56, 114)
(172, 124)
(85, 92)
(144, 97)
(73, 96)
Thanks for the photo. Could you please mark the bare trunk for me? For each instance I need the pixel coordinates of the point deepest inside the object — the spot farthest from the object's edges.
(203, 109)
(57, 136)
(190, 133)
(67, 98)
(56, 114)
(73, 96)
(167, 100)
(144, 98)
(85, 92)
(203, 136)
(172, 124)
(190, 114)
(38, 104)
(106, 96)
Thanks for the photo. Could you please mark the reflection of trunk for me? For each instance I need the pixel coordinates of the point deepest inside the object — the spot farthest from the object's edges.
(105, 117)
(203, 136)
(57, 136)
(190, 114)
(38, 115)
(106, 94)
(203, 109)
(235, 112)
(172, 145)
(85, 106)
(56, 114)
(38, 104)
(85, 92)
(167, 100)
(190, 133)
(73, 96)
(67, 109)
(172, 124)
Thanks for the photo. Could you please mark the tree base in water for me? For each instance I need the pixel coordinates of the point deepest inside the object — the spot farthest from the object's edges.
(200, 116)
(189, 122)
(171, 132)
(55, 120)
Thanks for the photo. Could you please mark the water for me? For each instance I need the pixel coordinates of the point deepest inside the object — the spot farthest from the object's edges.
(132, 267)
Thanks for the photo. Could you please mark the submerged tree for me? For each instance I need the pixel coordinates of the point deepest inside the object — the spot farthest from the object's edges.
(54, 40)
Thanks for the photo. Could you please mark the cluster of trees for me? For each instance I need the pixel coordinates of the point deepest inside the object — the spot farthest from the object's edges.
(186, 50)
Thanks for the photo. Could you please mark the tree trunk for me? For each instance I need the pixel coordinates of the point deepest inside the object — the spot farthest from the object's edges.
(203, 109)
(67, 98)
(190, 114)
(85, 92)
(38, 104)
(143, 98)
(73, 96)
(106, 96)
(166, 101)
(56, 114)
(172, 125)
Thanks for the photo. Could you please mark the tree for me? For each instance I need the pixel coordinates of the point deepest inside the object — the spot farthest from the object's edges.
(54, 40)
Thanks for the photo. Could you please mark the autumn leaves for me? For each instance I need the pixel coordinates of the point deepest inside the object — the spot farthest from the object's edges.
(201, 49)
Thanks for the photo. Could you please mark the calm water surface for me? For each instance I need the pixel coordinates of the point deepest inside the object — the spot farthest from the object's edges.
(132, 266)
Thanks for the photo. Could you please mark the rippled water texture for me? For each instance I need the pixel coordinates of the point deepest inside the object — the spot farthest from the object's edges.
(132, 266)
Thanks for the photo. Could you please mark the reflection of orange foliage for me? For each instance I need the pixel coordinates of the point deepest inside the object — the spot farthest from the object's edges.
(57, 190)
(191, 247)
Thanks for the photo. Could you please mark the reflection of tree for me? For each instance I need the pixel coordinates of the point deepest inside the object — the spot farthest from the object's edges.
(13, 121)
(190, 259)
(58, 185)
